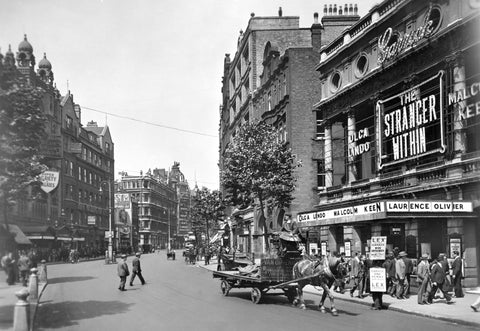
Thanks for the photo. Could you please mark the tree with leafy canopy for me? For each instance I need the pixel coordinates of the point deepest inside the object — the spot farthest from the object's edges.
(22, 130)
(258, 168)
(208, 208)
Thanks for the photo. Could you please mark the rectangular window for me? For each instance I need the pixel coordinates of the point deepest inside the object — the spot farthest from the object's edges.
(320, 173)
(69, 122)
(320, 132)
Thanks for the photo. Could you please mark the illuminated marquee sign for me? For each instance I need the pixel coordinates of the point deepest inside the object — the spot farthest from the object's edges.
(410, 124)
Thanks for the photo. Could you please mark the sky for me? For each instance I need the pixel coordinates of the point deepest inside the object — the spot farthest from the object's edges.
(156, 61)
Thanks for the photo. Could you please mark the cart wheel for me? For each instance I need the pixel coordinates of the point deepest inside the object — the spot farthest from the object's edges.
(225, 287)
(256, 295)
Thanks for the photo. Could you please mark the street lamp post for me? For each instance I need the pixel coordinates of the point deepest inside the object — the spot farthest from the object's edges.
(110, 244)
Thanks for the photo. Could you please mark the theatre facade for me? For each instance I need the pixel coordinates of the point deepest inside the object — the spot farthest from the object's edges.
(399, 115)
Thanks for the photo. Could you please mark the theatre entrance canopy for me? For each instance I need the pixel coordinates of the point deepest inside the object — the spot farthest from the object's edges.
(384, 209)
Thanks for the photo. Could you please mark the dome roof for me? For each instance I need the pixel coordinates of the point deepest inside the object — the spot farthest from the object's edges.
(25, 46)
(44, 63)
(9, 52)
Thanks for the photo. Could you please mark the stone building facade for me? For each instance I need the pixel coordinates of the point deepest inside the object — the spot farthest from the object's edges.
(399, 115)
(75, 214)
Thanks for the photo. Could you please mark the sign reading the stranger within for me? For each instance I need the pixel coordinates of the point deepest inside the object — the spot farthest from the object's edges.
(49, 180)
(410, 124)
(378, 245)
(378, 280)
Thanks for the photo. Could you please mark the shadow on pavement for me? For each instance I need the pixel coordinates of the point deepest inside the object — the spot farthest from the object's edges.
(68, 279)
(6, 316)
(53, 315)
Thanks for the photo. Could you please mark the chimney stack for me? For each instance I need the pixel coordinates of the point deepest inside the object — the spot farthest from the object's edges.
(280, 11)
(316, 31)
(337, 18)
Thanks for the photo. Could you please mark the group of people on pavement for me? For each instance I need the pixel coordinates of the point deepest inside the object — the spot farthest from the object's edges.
(123, 271)
(18, 269)
(435, 279)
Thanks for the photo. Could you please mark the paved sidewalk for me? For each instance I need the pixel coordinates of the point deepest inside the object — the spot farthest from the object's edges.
(8, 299)
(458, 312)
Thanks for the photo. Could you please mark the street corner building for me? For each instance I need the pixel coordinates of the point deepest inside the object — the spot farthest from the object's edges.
(70, 211)
(399, 116)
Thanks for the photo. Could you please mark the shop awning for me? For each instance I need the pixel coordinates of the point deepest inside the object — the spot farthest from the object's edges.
(19, 237)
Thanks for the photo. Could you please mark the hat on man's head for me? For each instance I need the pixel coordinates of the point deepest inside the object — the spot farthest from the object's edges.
(424, 257)
(402, 253)
(124, 256)
(137, 254)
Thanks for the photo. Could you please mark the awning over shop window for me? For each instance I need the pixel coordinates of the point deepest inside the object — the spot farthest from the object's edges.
(19, 237)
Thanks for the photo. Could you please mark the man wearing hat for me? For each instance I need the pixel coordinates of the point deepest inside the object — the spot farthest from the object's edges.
(136, 270)
(438, 277)
(457, 274)
(122, 269)
(423, 277)
(400, 270)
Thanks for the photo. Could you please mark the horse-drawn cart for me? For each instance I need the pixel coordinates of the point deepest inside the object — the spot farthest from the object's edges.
(272, 274)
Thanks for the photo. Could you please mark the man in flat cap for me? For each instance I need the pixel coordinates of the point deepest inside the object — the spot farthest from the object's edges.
(122, 269)
(136, 270)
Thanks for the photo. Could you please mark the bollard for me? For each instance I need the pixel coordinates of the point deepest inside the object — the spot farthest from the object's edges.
(42, 271)
(33, 284)
(21, 314)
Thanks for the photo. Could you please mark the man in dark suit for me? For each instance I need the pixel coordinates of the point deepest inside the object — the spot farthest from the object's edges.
(136, 270)
(122, 270)
(438, 277)
(457, 274)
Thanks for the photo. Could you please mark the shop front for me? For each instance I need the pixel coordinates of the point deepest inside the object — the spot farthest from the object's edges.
(415, 226)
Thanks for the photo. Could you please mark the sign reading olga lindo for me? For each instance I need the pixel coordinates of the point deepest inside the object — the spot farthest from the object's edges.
(410, 124)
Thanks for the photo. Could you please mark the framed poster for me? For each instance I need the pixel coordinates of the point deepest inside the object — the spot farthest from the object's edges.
(313, 249)
(378, 245)
(324, 248)
(348, 249)
(455, 245)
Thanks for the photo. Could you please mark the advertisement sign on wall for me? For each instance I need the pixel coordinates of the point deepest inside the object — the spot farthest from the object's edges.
(410, 124)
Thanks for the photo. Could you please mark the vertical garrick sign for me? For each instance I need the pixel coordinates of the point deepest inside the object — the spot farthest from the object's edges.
(411, 124)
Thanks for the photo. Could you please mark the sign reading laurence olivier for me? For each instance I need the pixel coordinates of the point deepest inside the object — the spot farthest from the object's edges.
(410, 124)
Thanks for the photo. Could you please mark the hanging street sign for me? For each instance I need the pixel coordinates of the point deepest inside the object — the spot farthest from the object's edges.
(49, 180)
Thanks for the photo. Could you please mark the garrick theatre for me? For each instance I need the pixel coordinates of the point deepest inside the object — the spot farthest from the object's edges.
(399, 115)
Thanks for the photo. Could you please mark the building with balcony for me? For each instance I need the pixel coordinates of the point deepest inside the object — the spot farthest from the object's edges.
(74, 214)
(400, 123)
(184, 224)
(157, 206)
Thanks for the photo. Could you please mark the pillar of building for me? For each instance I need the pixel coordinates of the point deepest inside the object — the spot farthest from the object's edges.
(328, 155)
(457, 66)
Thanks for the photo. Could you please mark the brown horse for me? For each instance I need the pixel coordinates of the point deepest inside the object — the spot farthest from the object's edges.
(319, 273)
